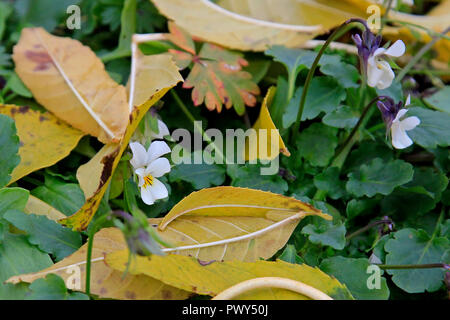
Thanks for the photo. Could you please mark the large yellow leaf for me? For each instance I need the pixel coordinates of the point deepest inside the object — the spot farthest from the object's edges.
(95, 175)
(264, 127)
(240, 202)
(192, 275)
(105, 281)
(258, 24)
(240, 232)
(44, 140)
(68, 79)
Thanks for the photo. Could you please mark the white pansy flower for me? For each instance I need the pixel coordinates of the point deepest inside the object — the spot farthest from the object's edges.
(400, 139)
(379, 72)
(148, 166)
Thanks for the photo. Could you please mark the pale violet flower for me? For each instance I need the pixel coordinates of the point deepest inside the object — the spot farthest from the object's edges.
(148, 166)
(379, 72)
(400, 138)
(392, 115)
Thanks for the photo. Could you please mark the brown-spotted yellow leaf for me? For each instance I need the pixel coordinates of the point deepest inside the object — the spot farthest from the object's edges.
(44, 140)
(39, 207)
(267, 143)
(228, 201)
(213, 277)
(105, 281)
(257, 24)
(95, 175)
(69, 80)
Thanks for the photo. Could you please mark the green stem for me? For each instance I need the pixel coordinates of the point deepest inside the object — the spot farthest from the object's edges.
(368, 227)
(96, 225)
(337, 32)
(414, 266)
(418, 56)
(386, 15)
(430, 72)
(194, 123)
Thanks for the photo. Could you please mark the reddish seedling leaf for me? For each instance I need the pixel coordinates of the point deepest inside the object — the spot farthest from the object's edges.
(216, 74)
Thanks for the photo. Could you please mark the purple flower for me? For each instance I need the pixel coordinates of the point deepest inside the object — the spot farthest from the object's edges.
(389, 110)
(367, 45)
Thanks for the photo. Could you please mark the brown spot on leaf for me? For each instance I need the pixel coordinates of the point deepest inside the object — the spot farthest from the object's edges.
(108, 162)
(24, 109)
(103, 291)
(42, 59)
(166, 294)
(130, 295)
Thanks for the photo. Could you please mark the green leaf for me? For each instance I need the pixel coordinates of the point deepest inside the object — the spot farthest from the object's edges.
(199, 175)
(17, 86)
(356, 207)
(440, 100)
(342, 117)
(433, 129)
(65, 197)
(366, 152)
(32, 12)
(17, 256)
(293, 59)
(9, 291)
(346, 74)
(379, 176)
(394, 91)
(290, 255)
(5, 12)
(48, 235)
(5, 59)
(289, 113)
(128, 28)
(410, 246)
(249, 176)
(329, 181)
(354, 274)
(52, 287)
(13, 199)
(324, 95)
(418, 196)
(326, 233)
(9, 148)
(317, 144)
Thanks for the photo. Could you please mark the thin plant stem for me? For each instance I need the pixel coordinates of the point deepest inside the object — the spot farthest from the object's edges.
(198, 127)
(358, 125)
(418, 56)
(368, 227)
(414, 266)
(346, 26)
(386, 15)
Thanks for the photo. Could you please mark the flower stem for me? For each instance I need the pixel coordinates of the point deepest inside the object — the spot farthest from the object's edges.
(414, 266)
(346, 26)
(368, 227)
(195, 123)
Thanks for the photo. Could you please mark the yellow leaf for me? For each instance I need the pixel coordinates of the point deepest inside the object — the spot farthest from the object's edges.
(257, 24)
(239, 202)
(105, 281)
(95, 175)
(44, 140)
(264, 125)
(69, 80)
(37, 206)
(211, 278)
